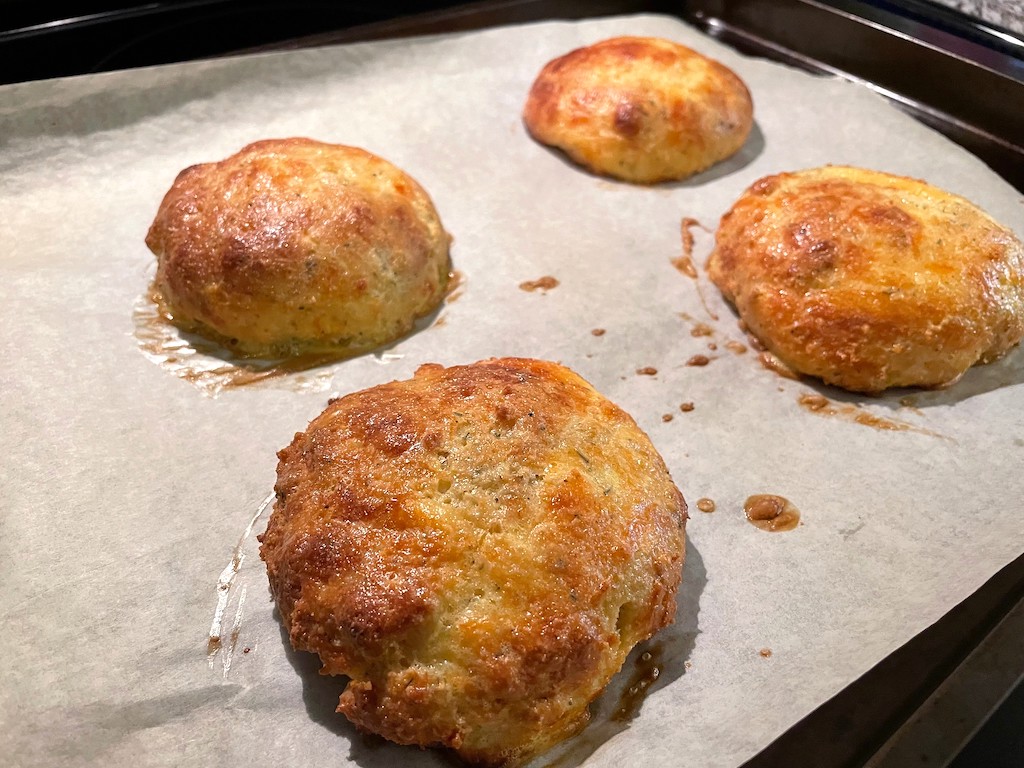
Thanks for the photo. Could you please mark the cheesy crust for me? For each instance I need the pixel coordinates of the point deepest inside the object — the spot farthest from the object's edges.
(296, 246)
(868, 280)
(640, 109)
(478, 548)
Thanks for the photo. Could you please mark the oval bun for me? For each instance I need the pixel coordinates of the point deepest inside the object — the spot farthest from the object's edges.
(868, 280)
(640, 109)
(293, 246)
(478, 548)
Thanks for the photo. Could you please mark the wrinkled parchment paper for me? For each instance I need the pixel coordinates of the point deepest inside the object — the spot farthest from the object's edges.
(132, 498)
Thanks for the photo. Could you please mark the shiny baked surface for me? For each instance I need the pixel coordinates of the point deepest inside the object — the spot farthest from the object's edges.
(640, 109)
(868, 280)
(477, 548)
(293, 246)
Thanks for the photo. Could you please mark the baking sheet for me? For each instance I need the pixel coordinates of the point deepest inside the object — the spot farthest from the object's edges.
(132, 497)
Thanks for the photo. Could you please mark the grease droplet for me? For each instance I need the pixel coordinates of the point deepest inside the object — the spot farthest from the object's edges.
(543, 284)
(772, 363)
(813, 402)
(771, 513)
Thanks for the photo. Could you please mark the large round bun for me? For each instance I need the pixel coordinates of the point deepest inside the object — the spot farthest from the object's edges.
(293, 246)
(478, 548)
(869, 280)
(640, 109)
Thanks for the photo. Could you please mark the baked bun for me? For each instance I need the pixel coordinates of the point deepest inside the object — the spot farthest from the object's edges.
(294, 246)
(868, 280)
(640, 109)
(478, 548)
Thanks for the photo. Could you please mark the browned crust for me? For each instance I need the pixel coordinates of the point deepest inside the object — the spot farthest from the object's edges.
(640, 109)
(294, 245)
(869, 280)
(478, 548)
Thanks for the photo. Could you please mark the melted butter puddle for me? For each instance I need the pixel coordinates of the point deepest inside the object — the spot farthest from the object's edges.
(822, 406)
(771, 513)
(200, 362)
(647, 669)
(645, 674)
(225, 581)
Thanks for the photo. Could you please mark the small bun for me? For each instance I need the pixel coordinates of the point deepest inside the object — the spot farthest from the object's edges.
(293, 246)
(640, 109)
(478, 549)
(868, 280)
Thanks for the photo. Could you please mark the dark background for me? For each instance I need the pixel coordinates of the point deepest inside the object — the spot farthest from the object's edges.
(42, 39)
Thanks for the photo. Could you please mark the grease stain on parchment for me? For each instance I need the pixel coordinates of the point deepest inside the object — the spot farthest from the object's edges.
(822, 406)
(222, 642)
(210, 367)
(684, 261)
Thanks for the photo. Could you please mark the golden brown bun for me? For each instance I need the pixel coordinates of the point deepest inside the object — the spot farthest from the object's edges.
(294, 246)
(478, 548)
(869, 280)
(640, 109)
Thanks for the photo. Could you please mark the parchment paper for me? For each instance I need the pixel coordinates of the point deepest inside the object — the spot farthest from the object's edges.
(131, 498)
